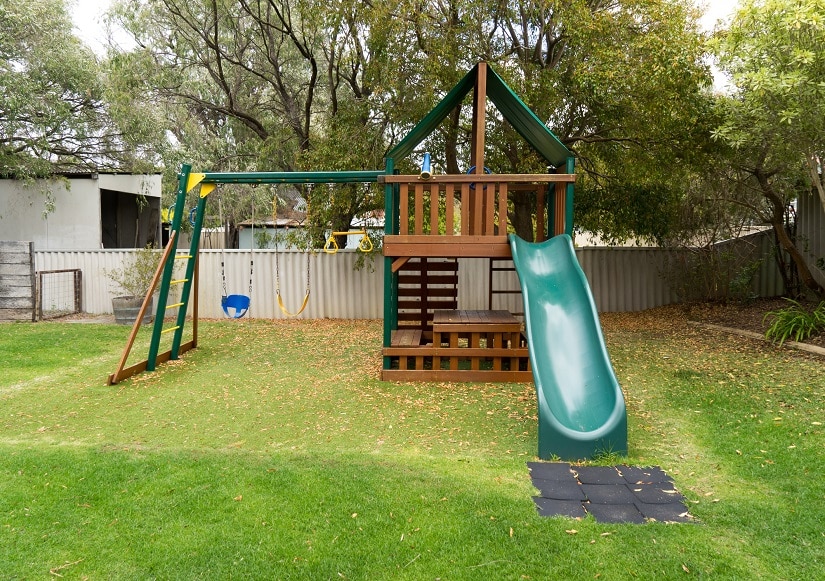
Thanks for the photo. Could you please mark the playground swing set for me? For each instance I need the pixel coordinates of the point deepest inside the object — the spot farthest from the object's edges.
(235, 306)
(559, 345)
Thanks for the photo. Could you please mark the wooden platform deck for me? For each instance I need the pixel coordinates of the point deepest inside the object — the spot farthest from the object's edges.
(466, 346)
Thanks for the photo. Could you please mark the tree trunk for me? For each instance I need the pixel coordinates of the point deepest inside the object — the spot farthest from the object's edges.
(522, 216)
(777, 221)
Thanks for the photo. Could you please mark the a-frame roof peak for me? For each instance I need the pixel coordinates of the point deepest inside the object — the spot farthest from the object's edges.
(511, 107)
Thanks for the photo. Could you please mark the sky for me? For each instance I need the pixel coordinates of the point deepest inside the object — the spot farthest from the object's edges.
(88, 18)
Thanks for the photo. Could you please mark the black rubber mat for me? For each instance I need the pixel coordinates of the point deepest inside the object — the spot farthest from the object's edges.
(612, 494)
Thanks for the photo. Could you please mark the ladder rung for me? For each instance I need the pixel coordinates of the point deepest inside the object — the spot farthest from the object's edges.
(179, 281)
(175, 305)
(179, 256)
(170, 329)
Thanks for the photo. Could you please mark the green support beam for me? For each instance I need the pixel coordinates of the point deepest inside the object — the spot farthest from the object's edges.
(297, 177)
(186, 292)
(390, 278)
(180, 210)
(568, 201)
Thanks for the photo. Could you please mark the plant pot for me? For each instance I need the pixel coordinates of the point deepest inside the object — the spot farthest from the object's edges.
(126, 310)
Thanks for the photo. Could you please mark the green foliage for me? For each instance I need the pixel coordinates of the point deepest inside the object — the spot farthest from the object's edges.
(773, 120)
(134, 277)
(713, 273)
(55, 113)
(795, 322)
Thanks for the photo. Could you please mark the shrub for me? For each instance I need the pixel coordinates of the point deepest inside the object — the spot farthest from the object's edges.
(795, 322)
(135, 276)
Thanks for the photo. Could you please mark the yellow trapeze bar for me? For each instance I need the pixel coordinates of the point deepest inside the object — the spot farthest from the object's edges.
(364, 245)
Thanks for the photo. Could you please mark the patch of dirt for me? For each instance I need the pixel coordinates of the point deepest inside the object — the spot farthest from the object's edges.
(746, 316)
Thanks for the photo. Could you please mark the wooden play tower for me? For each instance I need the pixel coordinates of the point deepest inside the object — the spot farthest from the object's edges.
(431, 221)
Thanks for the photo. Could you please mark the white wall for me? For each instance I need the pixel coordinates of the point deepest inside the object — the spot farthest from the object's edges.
(75, 221)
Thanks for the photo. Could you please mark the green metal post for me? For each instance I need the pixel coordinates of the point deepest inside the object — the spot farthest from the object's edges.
(390, 278)
(189, 276)
(180, 209)
(568, 201)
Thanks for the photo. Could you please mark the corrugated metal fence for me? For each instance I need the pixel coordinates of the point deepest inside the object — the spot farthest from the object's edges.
(811, 231)
(622, 279)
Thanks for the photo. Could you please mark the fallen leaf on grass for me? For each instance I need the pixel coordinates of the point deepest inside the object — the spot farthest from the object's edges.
(572, 532)
(238, 498)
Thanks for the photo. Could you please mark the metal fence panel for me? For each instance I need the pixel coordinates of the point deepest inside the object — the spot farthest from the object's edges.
(622, 279)
(811, 232)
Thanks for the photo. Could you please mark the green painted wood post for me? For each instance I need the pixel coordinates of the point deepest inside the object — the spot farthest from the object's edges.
(390, 278)
(168, 269)
(186, 293)
(568, 202)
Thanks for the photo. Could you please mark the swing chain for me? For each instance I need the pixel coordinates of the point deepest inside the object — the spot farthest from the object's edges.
(223, 273)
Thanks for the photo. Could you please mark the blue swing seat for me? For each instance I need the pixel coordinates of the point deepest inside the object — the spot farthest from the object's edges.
(235, 306)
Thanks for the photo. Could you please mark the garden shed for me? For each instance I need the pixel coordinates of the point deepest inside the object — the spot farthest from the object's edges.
(83, 211)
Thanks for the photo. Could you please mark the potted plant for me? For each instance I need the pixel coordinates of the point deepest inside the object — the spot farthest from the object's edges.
(133, 280)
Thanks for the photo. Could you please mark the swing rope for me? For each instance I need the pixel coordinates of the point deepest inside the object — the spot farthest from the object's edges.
(281, 305)
(236, 306)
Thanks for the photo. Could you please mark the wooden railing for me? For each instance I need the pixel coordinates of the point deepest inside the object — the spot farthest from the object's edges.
(461, 215)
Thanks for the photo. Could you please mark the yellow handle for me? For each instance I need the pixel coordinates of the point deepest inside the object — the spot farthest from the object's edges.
(331, 247)
(365, 245)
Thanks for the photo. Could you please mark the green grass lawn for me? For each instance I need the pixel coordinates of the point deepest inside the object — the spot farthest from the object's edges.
(273, 451)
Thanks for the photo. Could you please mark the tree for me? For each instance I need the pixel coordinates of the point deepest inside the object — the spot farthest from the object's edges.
(622, 83)
(260, 84)
(774, 120)
(54, 114)
(298, 84)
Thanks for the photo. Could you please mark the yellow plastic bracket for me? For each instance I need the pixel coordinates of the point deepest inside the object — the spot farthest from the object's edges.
(194, 179)
(207, 189)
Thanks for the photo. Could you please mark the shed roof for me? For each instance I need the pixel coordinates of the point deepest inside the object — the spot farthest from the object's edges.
(512, 108)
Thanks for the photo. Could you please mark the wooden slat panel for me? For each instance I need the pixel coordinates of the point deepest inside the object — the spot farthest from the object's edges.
(465, 328)
(446, 240)
(431, 292)
(488, 229)
(476, 210)
(502, 209)
(460, 352)
(417, 306)
(447, 246)
(431, 266)
(449, 193)
(434, 279)
(404, 209)
(419, 208)
(465, 209)
(456, 375)
(409, 338)
(434, 207)
(558, 226)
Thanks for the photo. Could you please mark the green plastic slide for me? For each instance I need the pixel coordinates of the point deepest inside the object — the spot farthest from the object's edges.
(581, 408)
